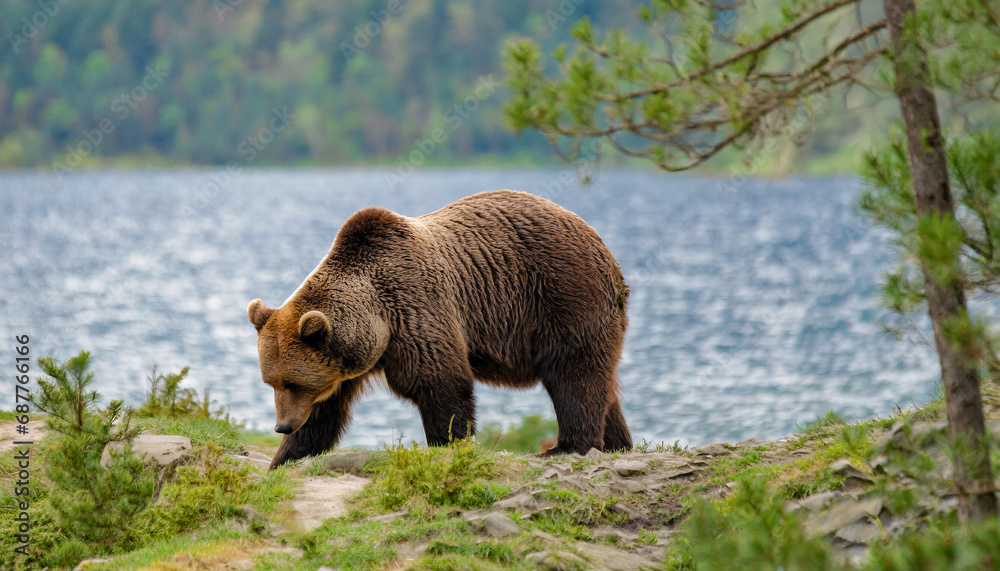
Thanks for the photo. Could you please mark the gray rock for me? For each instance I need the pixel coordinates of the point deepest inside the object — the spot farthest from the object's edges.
(500, 525)
(595, 455)
(627, 510)
(630, 467)
(711, 450)
(816, 502)
(665, 459)
(854, 479)
(550, 473)
(392, 516)
(862, 532)
(585, 484)
(843, 467)
(751, 442)
(614, 559)
(546, 536)
(614, 532)
(538, 463)
(993, 426)
(347, 462)
(474, 515)
(843, 514)
(602, 491)
(556, 560)
(520, 501)
(881, 442)
(852, 556)
(928, 428)
(162, 449)
(879, 463)
(665, 536)
(905, 436)
(891, 525)
(681, 471)
(939, 506)
(791, 506)
(629, 487)
(717, 493)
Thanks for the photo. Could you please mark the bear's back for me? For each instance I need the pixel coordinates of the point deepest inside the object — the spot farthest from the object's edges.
(523, 260)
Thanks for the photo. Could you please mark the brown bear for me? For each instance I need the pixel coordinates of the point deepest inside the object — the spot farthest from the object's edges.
(502, 287)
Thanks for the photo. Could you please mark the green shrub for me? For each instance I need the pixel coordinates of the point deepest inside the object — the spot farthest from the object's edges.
(166, 398)
(944, 544)
(828, 420)
(749, 531)
(170, 409)
(215, 487)
(456, 474)
(89, 503)
(218, 431)
(573, 513)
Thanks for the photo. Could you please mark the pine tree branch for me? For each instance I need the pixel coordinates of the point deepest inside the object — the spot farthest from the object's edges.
(762, 45)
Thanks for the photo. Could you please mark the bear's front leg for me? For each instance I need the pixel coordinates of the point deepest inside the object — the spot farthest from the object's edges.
(447, 410)
(324, 428)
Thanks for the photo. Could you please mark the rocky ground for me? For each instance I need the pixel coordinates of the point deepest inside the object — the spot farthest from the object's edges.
(844, 498)
(648, 491)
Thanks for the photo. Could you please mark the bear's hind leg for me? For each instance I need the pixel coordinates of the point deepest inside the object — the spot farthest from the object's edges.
(324, 428)
(616, 434)
(579, 396)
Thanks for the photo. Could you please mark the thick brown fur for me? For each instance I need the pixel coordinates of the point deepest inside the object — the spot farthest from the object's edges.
(502, 287)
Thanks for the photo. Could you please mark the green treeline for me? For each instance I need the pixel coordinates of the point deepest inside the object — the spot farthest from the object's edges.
(273, 81)
(302, 82)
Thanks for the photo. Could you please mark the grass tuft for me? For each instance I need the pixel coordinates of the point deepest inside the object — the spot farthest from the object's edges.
(461, 474)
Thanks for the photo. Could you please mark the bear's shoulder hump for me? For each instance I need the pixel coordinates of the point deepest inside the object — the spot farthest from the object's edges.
(373, 226)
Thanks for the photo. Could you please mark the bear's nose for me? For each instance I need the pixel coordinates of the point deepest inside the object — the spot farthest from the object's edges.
(284, 428)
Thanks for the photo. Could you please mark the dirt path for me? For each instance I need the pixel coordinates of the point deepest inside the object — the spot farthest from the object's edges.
(323, 497)
(8, 433)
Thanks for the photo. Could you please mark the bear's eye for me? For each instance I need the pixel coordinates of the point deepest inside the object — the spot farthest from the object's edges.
(292, 387)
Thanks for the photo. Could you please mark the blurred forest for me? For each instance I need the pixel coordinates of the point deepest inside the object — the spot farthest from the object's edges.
(293, 82)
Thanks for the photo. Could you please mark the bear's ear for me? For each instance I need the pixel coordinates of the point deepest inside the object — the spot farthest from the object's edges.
(314, 327)
(258, 314)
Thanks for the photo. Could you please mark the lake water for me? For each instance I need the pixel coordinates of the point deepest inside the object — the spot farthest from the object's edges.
(753, 303)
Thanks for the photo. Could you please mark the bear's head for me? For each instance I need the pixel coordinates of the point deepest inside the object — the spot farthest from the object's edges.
(312, 343)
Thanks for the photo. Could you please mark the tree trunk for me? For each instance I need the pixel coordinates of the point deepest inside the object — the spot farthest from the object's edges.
(946, 301)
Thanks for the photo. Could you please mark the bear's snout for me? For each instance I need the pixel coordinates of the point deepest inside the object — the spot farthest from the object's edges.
(283, 428)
